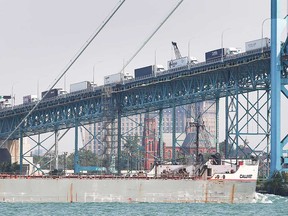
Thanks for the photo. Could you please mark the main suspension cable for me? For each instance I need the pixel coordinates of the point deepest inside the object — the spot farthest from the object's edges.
(146, 41)
(106, 20)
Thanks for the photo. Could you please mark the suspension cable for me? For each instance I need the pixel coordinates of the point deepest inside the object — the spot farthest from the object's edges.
(72, 61)
(146, 41)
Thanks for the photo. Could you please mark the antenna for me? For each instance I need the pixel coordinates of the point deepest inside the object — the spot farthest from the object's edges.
(123, 66)
(93, 74)
(13, 98)
(65, 82)
(38, 94)
(155, 57)
(189, 49)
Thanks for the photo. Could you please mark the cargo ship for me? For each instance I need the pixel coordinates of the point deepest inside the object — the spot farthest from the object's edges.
(215, 181)
(224, 181)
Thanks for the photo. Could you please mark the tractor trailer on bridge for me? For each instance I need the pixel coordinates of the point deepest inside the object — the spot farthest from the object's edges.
(148, 71)
(30, 99)
(80, 86)
(218, 54)
(116, 78)
(53, 93)
(259, 44)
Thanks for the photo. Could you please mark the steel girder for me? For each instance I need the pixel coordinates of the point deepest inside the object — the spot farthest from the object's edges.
(248, 119)
(189, 87)
(284, 91)
(238, 75)
(54, 114)
(181, 86)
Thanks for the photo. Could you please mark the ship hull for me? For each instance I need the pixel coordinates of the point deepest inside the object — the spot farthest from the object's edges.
(125, 190)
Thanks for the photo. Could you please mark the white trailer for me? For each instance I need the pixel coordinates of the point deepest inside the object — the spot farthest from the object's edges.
(5, 104)
(80, 86)
(184, 61)
(116, 78)
(257, 44)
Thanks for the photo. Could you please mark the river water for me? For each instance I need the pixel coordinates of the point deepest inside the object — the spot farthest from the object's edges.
(263, 205)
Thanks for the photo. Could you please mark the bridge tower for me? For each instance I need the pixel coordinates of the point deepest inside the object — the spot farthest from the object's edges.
(276, 144)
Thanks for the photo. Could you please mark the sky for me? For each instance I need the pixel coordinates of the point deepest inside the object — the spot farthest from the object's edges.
(39, 38)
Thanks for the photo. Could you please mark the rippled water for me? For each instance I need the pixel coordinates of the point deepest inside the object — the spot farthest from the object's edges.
(263, 205)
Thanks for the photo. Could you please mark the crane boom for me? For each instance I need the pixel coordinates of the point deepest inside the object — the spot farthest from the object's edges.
(176, 50)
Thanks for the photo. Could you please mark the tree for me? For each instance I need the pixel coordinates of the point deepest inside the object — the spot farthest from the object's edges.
(6, 167)
(86, 158)
(222, 147)
(231, 149)
(44, 160)
(275, 185)
(132, 153)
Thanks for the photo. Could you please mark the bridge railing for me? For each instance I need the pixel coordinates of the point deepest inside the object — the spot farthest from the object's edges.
(198, 65)
(159, 74)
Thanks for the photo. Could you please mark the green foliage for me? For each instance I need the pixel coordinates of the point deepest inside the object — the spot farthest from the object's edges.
(43, 161)
(132, 154)
(5, 167)
(275, 184)
(181, 158)
(222, 147)
(86, 158)
(231, 149)
(8, 168)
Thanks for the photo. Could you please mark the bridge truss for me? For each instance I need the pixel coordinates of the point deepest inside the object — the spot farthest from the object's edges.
(243, 80)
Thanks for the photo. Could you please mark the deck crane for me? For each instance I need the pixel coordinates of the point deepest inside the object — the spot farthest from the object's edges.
(176, 50)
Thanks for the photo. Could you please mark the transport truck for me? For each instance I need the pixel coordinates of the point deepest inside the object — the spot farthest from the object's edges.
(53, 93)
(30, 99)
(5, 101)
(259, 44)
(80, 86)
(180, 62)
(117, 78)
(218, 54)
(5, 104)
(147, 71)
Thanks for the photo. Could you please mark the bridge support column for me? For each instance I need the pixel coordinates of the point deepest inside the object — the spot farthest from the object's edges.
(276, 151)
(119, 143)
(56, 149)
(94, 138)
(38, 144)
(21, 152)
(174, 140)
(160, 147)
(76, 153)
(237, 125)
(248, 127)
(226, 124)
(217, 125)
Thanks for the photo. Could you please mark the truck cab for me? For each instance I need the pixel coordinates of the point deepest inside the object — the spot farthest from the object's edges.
(232, 51)
(193, 60)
